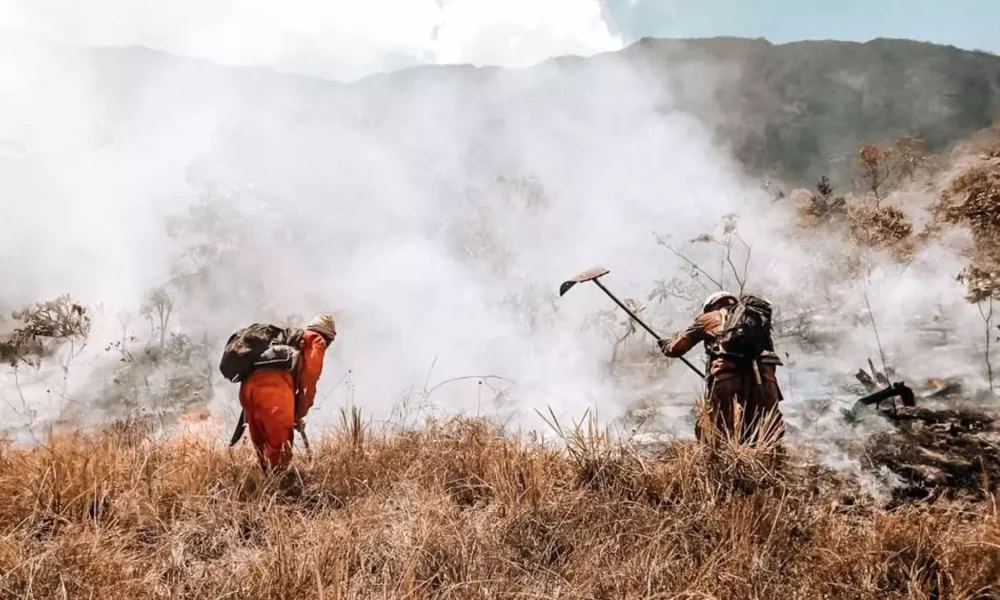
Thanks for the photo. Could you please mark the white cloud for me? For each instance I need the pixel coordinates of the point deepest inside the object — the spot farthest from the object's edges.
(341, 39)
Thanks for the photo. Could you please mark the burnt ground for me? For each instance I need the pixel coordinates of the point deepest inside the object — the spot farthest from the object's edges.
(946, 446)
(937, 452)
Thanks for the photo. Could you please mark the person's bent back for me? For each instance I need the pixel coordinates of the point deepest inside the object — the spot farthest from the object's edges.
(741, 395)
(276, 401)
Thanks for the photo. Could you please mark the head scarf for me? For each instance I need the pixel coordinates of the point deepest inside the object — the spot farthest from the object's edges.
(324, 325)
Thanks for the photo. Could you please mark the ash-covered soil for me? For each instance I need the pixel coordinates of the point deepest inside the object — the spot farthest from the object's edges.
(947, 446)
(938, 452)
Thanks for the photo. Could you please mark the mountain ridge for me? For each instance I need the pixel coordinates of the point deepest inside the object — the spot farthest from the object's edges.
(792, 111)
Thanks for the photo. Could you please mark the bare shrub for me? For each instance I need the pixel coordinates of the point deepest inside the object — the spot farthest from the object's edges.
(909, 156)
(618, 328)
(163, 380)
(44, 328)
(734, 260)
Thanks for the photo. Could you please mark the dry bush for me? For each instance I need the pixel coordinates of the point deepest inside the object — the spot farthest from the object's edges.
(881, 228)
(876, 169)
(814, 210)
(458, 509)
(973, 201)
(867, 223)
(909, 155)
(884, 167)
(866, 226)
(42, 329)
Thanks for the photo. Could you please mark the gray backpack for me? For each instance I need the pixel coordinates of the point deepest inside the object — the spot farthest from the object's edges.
(746, 333)
(260, 346)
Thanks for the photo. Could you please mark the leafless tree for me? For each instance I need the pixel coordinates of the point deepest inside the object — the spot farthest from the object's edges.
(696, 270)
(158, 308)
(617, 329)
(987, 316)
(730, 235)
(873, 161)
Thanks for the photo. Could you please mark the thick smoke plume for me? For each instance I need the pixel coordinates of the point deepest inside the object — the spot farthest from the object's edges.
(341, 39)
(434, 210)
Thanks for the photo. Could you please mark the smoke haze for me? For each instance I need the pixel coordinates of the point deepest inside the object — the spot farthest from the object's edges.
(255, 195)
(342, 39)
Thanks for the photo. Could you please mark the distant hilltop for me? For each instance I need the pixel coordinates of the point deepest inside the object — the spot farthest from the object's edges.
(794, 111)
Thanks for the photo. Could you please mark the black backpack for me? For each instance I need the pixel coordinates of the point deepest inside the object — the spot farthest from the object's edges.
(746, 334)
(259, 346)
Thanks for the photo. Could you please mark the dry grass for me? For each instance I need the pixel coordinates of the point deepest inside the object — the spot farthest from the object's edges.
(460, 510)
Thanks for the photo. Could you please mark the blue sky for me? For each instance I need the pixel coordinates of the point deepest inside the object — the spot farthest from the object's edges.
(970, 24)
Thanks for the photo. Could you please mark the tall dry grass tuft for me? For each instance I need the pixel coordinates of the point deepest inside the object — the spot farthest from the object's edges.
(460, 509)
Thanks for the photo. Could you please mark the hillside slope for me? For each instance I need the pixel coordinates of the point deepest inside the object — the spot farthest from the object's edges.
(792, 107)
(786, 109)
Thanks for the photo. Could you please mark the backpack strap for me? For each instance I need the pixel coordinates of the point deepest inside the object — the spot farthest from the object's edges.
(714, 349)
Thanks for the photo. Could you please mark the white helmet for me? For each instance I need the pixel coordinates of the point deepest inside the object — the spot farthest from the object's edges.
(715, 299)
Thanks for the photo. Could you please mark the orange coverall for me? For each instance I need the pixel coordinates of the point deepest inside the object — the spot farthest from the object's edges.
(268, 399)
(731, 384)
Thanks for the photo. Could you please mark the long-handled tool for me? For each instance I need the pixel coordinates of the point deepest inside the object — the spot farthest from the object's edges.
(593, 274)
(301, 428)
(300, 425)
(241, 426)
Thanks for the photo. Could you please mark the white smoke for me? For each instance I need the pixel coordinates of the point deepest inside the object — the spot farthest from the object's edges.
(340, 39)
(377, 200)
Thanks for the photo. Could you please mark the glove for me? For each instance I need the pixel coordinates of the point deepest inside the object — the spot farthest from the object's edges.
(664, 345)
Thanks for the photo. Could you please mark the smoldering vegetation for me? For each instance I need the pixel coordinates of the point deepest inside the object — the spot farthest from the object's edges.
(436, 218)
(436, 210)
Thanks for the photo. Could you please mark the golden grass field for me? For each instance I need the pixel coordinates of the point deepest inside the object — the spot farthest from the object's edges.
(459, 509)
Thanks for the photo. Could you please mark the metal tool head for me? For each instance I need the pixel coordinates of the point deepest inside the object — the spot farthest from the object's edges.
(241, 426)
(588, 275)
